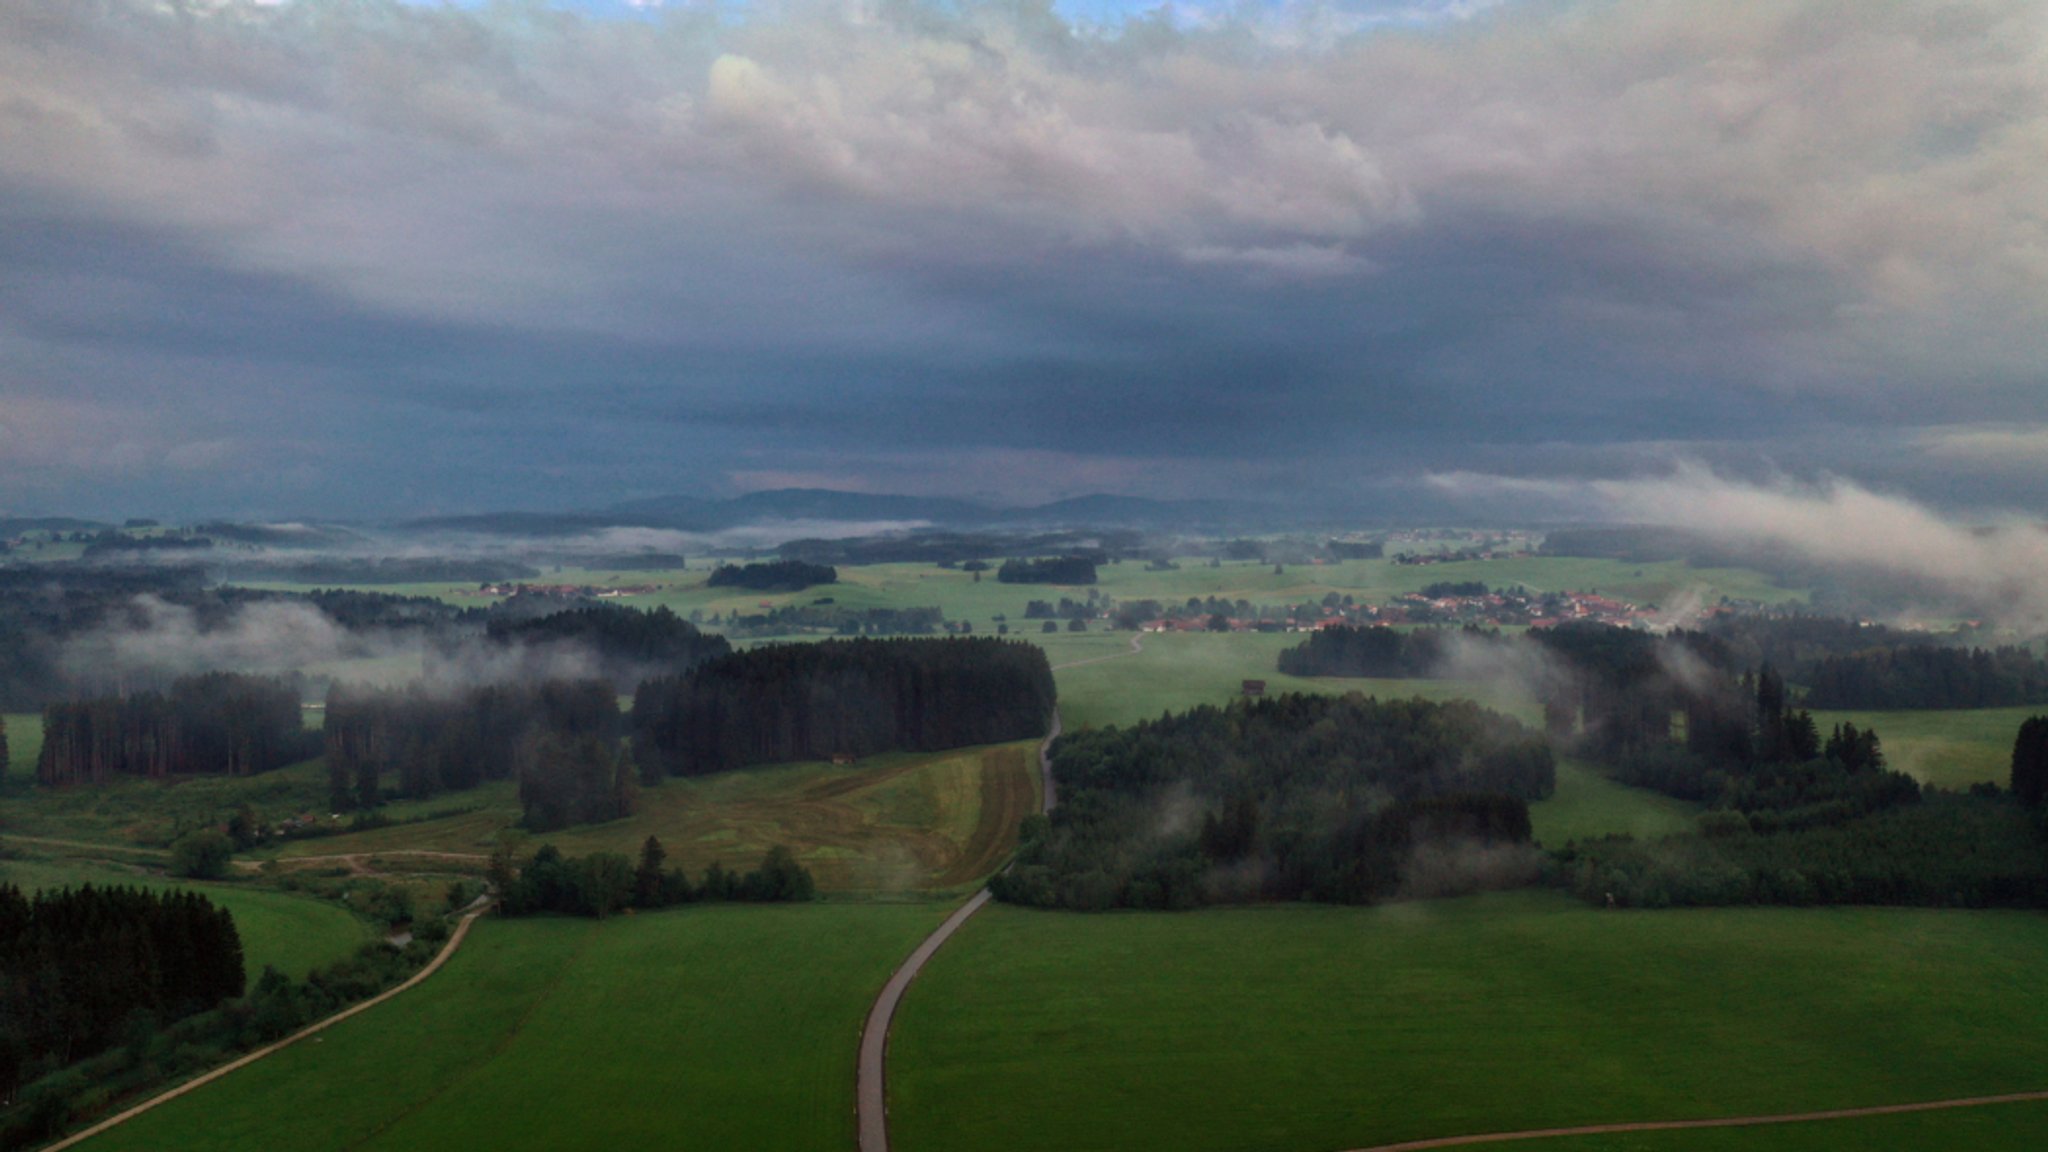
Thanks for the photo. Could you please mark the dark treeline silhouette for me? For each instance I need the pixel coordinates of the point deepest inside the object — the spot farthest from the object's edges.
(624, 644)
(605, 882)
(379, 570)
(938, 546)
(1346, 799)
(840, 698)
(1377, 652)
(1792, 640)
(1970, 851)
(108, 544)
(413, 742)
(388, 611)
(773, 576)
(1924, 676)
(212, 723)
(1355, 550)
(1051, 570)
(79, 968)
(834, 619)
(1444, 588)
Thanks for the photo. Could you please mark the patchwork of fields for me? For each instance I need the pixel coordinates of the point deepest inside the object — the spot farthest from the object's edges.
(1287, 1029)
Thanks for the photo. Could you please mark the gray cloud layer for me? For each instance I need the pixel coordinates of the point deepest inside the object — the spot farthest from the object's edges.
(369, 257)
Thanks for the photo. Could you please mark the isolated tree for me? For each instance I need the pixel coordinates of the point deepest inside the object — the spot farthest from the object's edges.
(647, 879)
(2030, 762)
(202, 855)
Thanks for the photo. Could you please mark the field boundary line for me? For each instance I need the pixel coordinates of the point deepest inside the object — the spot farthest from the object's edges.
(434, 965)
(1626, 1127)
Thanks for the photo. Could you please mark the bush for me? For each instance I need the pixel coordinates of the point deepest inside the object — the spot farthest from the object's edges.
(202, 855)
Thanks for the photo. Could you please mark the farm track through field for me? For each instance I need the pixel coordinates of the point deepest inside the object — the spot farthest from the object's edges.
(1720, 1122)
(447, 950)
(871, 1088)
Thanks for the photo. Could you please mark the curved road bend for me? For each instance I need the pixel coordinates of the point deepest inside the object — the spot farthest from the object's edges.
(870, 1088)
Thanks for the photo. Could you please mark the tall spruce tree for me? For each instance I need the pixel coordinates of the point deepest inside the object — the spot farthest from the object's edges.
(2030, 762)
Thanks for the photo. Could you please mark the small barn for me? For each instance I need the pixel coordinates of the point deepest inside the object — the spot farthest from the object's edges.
(1255, 687)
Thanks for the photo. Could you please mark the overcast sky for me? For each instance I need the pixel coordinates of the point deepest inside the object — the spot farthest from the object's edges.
(378, 259)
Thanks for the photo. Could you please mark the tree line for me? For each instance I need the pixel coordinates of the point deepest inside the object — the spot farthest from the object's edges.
(1049, 570)
(1347, 799)
(212, 723)
(79, 968)
(619, 644)
(839, 698)
(1377, 652)
(773, 576)
(559, 738)
(603, 883)
(1925, 676)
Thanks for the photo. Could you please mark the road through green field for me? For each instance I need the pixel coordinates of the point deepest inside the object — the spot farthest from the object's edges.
(706, 1028)
(1291, 1028)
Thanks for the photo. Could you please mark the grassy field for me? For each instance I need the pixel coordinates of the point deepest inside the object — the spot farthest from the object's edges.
(150, 813)
(1587, 804)
(1953, 748)
(24, 744)
(891, 823)
(1176, 671)
(707, 1028)
(1297, 1028)
(294, 933)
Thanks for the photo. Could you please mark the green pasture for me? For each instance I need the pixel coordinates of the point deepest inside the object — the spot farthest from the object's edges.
(1954, 748)
(1178, 670)
(889, 823)
(1301, 1027)
(24, 745)
(717, 1027)
(294, 933)
(136, 813)
(1588, 804)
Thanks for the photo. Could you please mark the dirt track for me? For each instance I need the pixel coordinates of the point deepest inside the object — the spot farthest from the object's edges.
(1722, 1122)
(434, 965)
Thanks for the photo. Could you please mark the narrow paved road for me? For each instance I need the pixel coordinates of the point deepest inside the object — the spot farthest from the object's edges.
(870, 1082)
(433, 966)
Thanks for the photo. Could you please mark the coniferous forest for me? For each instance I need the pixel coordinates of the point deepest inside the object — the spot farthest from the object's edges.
(840, 698)
(213, 723)
(1344, 799)
(79, 966)
(773, 576)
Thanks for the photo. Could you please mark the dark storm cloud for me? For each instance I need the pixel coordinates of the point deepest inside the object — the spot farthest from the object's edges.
(335, 257)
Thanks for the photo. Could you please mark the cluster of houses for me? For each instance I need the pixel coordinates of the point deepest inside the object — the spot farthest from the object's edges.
(566, 591)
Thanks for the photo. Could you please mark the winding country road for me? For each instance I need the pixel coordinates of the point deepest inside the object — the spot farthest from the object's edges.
(870, 1084)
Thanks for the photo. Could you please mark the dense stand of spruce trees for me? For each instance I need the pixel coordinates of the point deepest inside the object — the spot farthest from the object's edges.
(840, 698)
(773, 576)
(79, 967)
(559, 738)
(216, 722)
(1049, 570)
(622, 645)
(1326, 798)
(605, 882)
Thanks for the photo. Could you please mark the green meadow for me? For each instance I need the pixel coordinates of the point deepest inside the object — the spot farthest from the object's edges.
(893, 823)
(293, 933)
(706, 1028)
(1952, 748)
(1281, 1029)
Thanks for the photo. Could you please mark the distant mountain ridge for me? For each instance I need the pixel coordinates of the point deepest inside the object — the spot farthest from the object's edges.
(696, 514)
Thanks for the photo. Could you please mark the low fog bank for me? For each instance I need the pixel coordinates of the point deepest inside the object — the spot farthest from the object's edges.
(1889, 547)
